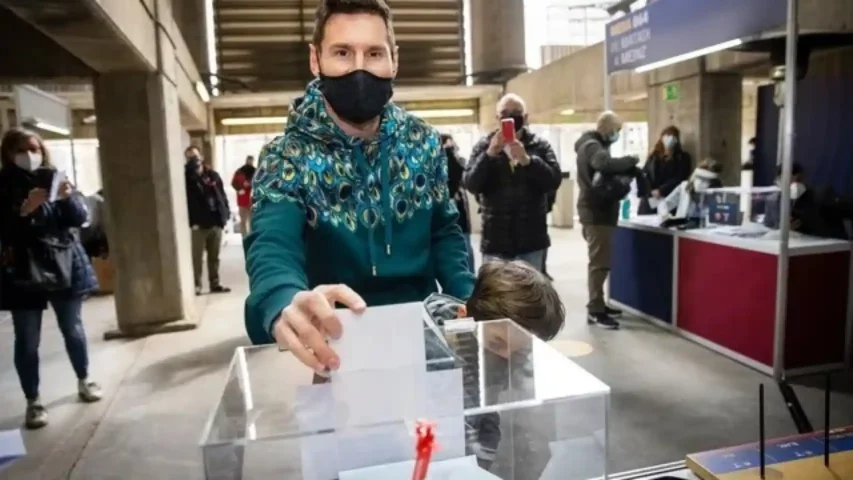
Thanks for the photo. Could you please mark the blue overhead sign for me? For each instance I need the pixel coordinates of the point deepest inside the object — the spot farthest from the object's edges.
(668, 28)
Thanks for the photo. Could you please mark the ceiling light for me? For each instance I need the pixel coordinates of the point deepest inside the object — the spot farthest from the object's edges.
(690, 55)
(90, 120)
(568, 111)
(637, 97)
(254, 121)
(448, 113)
(35, 123)
(201, 90)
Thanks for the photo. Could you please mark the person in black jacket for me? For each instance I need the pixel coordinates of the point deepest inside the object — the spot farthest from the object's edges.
(30, 222)
(599, 213)
(455, 168)
(514, 180)
(667, 166)
(208, 212)
(806, 217)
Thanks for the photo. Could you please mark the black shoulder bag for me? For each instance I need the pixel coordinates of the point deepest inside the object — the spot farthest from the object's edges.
(47, 265)
(609, 187)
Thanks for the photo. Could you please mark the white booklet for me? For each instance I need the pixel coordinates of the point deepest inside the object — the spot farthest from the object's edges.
(58, 178)
(11, 447)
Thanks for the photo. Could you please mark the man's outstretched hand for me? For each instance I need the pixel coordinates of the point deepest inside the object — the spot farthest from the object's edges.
(305, 324)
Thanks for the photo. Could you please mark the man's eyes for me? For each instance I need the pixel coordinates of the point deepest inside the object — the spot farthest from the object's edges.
(371, 54)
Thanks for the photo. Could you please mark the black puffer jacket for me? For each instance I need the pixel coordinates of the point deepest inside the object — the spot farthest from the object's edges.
(514, 201)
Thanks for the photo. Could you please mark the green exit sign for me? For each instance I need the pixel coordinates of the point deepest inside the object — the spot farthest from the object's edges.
(671, 92)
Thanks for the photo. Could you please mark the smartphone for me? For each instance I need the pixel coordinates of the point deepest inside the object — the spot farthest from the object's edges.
(44, 178)
(50, 180)
(508, 129)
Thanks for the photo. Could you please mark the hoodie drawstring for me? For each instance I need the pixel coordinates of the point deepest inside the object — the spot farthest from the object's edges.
(385, 200)
(385, 196)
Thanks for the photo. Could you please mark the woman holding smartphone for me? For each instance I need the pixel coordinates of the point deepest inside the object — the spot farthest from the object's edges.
(42, 263)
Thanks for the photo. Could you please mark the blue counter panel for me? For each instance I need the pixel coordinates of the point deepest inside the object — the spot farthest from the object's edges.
(641, 271)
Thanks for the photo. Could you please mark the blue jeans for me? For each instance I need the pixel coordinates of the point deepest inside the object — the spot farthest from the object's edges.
(28, 336)
(535, 259)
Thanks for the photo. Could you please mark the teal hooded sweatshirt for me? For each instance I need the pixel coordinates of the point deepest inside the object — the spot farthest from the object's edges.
(333, 209)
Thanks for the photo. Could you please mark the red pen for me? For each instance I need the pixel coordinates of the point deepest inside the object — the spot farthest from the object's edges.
(424, 448)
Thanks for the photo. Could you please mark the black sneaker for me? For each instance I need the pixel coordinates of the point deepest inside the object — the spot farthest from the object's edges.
(613, 312)
(219, 289)
(197, 291)
(603, 320)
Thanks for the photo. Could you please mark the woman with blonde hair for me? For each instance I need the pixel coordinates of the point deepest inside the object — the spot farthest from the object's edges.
(42, 262)
(683, 202)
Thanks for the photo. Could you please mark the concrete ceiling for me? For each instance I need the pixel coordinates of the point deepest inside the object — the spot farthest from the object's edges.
(18, 41)
(262, 45)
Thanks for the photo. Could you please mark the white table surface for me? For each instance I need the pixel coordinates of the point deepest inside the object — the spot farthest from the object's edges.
(797, 244)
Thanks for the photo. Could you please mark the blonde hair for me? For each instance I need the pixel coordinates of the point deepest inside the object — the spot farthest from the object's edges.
(708, 164)
(11, 143)
(517, 291)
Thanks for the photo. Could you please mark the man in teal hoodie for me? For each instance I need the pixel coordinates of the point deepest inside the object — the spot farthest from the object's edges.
(351, 204)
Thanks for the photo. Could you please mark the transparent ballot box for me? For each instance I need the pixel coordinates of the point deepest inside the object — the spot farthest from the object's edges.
(756, 208)
(504, 405)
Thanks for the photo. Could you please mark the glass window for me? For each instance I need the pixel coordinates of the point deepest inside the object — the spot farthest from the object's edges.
(465, 136)
(562, 22)
(80, 161)
(231, 153)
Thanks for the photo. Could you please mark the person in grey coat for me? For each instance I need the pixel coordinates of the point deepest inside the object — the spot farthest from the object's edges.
(600, 176)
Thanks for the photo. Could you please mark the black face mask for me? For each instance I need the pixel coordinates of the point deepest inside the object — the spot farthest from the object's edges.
(517, 119)
(358, 96)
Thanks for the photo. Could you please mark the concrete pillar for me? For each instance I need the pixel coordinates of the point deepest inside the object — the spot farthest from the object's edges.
(487, 112)
(139, 131)
(497, 39)
(707, 108)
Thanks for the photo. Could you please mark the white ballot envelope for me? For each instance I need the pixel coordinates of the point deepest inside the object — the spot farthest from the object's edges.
(11, 447)
(388, 337)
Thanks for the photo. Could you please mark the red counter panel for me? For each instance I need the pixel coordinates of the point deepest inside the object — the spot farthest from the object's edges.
(817, 309)
(727, 295)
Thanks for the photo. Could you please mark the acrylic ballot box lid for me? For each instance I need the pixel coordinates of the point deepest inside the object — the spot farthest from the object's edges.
(492, 390)
(735, 206)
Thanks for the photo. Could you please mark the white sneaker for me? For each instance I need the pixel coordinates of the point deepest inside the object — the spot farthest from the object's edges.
(88, 391)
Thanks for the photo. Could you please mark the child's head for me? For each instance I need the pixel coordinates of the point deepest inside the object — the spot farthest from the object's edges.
(517, 291)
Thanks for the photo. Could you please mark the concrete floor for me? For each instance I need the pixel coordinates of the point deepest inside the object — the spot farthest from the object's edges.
(670, 397)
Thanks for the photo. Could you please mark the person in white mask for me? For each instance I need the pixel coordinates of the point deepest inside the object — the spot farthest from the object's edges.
(42, 262)
(683, 202)
(666, 167)
(805, 211)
